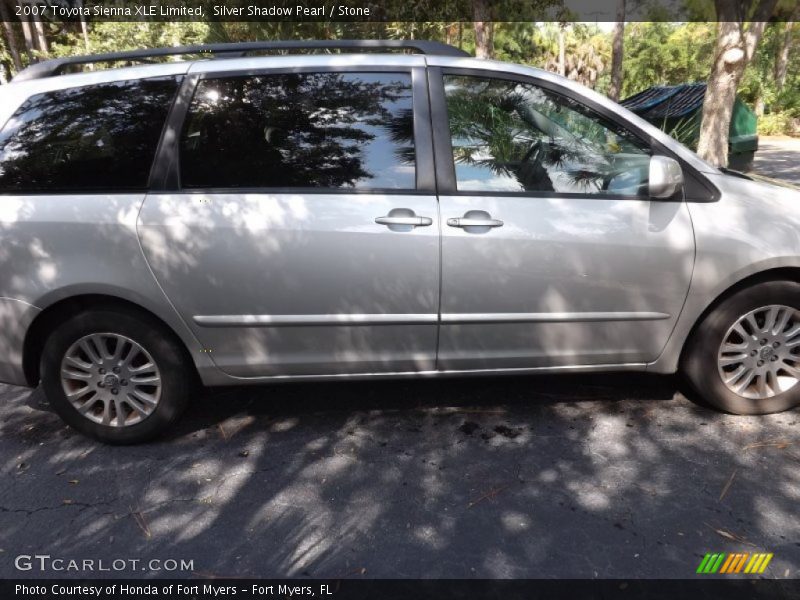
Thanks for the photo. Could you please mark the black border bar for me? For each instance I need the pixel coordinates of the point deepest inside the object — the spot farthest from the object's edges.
(700, 588)
(297, 11)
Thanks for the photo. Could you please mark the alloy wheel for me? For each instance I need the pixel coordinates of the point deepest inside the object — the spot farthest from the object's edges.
(111, 379)
(760, 354)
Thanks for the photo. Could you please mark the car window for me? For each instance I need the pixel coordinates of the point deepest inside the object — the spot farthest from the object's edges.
(301, 130)
(99, 137)
(517, 137)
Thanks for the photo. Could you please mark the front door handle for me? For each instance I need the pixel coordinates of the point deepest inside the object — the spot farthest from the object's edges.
(475, 221)
(403, 219)
(465, 222)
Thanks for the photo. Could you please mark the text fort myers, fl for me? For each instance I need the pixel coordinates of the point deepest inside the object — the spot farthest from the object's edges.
(175, 591)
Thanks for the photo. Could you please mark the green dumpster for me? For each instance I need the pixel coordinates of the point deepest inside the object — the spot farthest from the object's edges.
(678, 109)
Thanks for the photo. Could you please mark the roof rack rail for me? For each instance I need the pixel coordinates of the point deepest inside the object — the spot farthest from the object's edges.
(49, 68)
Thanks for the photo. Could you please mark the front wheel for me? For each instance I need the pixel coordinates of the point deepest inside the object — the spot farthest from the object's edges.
(744, 358)
(115, 376)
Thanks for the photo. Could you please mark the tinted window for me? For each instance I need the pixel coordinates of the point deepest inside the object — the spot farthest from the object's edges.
(100, 137)
(312, 130)
(516, 137)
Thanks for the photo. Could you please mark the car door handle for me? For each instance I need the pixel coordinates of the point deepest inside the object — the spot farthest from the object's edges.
(403, 220)
(413, 221)
(475, 221)
(465, 222)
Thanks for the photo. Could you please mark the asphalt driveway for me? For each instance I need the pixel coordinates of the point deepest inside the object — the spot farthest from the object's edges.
(591, 476)
(778, 157)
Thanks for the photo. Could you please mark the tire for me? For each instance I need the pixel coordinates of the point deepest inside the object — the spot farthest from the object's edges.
(132, 405)
(776, 361)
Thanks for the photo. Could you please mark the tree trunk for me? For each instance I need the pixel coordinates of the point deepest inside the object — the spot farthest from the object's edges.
(41, 40)
(782, 57)
(616, 52)
(734, 47)
(562, 49)
(84, 28)
(11, 39)
(481, 39)
(726, 72)
(482, 24)
(27, 36)
(759, 105)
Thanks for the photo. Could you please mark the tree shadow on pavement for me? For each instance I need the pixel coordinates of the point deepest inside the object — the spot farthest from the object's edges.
(573, 476)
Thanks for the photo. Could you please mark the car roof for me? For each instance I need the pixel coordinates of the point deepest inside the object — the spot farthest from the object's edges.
(56, 66)
(367, 60)
(225, 65)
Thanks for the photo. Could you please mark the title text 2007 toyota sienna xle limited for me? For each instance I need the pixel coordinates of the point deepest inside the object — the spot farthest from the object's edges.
(243, 219)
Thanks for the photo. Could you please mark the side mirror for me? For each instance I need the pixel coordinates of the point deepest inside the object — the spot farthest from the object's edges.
(666, 177)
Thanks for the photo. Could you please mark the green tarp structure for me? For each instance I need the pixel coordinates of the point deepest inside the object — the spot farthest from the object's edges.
(677, 109)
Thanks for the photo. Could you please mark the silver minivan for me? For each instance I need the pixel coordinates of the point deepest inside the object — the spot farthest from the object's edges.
(236, 218)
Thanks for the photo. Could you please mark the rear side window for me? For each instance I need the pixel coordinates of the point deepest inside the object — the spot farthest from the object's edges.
(301, 130)
(92, 138)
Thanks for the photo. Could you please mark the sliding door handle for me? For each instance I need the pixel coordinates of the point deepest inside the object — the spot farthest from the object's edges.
(415, 221)
(403, 219)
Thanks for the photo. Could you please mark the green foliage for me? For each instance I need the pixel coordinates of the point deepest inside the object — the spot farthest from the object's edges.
(759, 87)
(112, 37)
(656, 53)
(666, 54)
(686, 131)
(5, 55)
(777, 124)
(587, 49)
(5, 60)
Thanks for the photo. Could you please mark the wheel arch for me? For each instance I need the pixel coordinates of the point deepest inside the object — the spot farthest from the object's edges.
(790, 273)
(67, 307)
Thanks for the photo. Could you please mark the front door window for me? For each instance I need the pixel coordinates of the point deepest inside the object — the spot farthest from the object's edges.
(509, 136)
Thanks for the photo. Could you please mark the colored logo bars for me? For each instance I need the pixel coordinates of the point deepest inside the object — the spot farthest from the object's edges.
(742, 562)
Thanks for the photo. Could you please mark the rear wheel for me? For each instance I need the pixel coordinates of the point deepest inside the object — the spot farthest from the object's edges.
(744, 357)
(116, 376)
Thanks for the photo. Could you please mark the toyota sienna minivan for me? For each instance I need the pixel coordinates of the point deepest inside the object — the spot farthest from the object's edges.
(392, 209)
